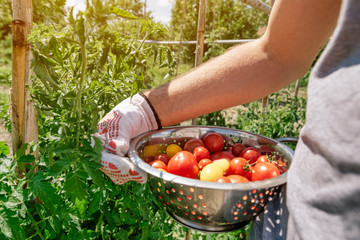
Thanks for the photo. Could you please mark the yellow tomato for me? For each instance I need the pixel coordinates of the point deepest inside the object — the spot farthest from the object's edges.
(153, 150)
(172, 149)
(214, 170)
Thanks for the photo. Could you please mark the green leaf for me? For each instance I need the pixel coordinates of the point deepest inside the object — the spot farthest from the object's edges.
(81, 206)
(4, 148)
(95, 202)
(60, 165)
(55, 223)
(44, 190)
(75, 186)
(122, 13)
(92, 169)
(26, 158)
(10, 224)
(19, 153)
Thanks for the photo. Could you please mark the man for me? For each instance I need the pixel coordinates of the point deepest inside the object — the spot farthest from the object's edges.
(323, 190)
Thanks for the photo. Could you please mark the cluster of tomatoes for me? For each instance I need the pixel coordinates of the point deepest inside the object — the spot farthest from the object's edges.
(208, 159)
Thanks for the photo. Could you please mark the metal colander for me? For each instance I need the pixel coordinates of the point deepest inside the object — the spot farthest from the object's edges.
(208, 206)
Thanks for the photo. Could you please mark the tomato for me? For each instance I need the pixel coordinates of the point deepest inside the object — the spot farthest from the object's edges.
(262, 158)
(214, 142)
(214, 170)
(172, 149)
(201, 153)
(221, 154)
(153, 150)
(192, 144)
(281, 165)
(262, 171)
(251, 154)
(223, 180)
(158, 164)
(204, 162)
(183, 164)
(240, 166)
(266, 150)
(163, 157)
(237, 148)
(149, 159)
(238, 179)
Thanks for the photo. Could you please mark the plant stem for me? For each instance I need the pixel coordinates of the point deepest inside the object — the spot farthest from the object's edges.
(79, 93)
(98, 225)
(35, 225)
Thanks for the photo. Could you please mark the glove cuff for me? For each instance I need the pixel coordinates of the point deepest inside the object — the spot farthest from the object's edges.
(148, 109)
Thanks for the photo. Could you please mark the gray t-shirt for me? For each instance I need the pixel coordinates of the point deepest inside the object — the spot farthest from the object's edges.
(323, 190)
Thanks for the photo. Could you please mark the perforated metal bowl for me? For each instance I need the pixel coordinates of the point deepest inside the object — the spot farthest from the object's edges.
(208, 206)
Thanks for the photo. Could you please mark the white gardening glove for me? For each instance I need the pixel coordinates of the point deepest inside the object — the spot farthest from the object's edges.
(131, 117)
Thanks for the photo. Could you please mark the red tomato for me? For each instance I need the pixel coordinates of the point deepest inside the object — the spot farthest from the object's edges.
(163, 157)
(223, 180)
(192, 144)
(262, 171)
(149, 159)
(201, 153)
(262, 158)
(183, 164)
(281, 165)
(265, 149)
(221, 155)
(159, 165)
(214, 142)
(240, 166)
(204, 162)
(251, 154)
(237, 148)
(238, 179)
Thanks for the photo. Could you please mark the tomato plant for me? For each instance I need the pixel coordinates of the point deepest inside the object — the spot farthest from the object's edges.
(183, 164)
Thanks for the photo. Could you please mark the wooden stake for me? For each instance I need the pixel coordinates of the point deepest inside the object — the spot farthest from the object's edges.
(23, 113)
(199, 51)
(18, 83)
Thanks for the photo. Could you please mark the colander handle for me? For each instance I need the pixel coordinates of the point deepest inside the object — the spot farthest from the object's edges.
(287, 139)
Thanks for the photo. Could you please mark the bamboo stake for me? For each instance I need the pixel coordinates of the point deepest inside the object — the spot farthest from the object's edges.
(199, 51)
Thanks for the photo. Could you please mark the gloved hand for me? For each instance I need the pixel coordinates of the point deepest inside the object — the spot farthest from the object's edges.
(128, 119)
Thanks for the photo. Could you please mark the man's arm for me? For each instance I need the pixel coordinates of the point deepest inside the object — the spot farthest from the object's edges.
(296, 32)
